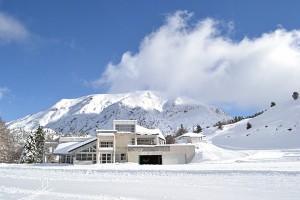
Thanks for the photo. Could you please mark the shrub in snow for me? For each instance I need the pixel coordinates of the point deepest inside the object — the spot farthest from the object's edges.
(273, 104)
(295, 95)
(249, 125)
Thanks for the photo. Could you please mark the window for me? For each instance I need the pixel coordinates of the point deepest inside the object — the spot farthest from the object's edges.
(66, 159)
(145, 141)
(89, 157)
(84, 157)
(125, 127)
(90, 149)
(123, 157)
(105, 158)
(106, 144)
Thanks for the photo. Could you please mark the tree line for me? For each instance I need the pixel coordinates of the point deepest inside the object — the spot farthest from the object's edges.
(12, 150)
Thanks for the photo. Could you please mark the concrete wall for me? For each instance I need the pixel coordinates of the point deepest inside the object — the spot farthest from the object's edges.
(122, 140)
(169, 153)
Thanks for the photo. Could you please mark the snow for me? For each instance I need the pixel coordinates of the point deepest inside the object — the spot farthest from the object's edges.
(151, 110)
(277, 128)
(64, 148)
(145, 131)
(248, 175)
(214, 173)
(262, 162)
(84, 143)
(191, 134)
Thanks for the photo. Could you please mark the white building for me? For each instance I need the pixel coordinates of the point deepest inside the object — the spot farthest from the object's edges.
(126, 142)
(191, 138)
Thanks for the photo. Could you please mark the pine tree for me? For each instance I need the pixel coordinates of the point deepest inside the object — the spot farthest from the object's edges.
(29, 152)
(181, 131)
(6, 144)
(198, 129)
(40, 144)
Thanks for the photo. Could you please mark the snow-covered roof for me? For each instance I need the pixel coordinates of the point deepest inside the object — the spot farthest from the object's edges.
(66, 147)
(63, 148)
(192, 135)
(73, 139)
(106, 134)
(145, 131)
(82, 143)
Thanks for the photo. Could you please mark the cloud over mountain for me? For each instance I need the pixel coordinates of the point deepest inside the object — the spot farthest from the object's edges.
(203, 61)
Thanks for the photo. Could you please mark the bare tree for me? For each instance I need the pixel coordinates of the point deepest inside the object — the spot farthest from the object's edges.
(6, 144)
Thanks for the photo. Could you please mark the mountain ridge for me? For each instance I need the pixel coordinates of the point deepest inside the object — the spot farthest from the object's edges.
(150, 108)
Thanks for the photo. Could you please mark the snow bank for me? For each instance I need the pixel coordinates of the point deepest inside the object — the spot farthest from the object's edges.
(209, 152)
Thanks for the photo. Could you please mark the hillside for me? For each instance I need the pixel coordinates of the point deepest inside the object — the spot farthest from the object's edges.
(151, 109)
(277, 127)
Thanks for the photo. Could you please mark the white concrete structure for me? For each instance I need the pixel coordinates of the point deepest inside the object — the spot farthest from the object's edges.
(126, 142)
(190, 138)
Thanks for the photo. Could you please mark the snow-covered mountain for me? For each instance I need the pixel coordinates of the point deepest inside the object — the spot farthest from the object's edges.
(151, 109)
(277, 128)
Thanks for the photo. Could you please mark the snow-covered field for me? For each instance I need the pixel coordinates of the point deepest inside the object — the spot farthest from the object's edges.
(255, 174)
(259, 163)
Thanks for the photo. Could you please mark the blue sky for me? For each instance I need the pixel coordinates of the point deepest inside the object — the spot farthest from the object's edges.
(57, 49)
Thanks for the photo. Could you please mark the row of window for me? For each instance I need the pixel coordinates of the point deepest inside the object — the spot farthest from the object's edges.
(125, 127)
(84, 157)
(104, 157)
(143, 141)
(106, 144)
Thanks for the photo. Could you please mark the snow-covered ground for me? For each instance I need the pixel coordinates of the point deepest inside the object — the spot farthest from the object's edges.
(214, 174)
(259, 163)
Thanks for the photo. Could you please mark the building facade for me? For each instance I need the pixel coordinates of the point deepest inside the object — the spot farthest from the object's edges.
(126, 142)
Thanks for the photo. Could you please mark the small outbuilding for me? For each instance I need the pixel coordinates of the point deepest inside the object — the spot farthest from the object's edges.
(190, 137)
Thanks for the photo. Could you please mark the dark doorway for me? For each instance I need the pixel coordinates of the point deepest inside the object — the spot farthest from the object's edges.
(150, 160)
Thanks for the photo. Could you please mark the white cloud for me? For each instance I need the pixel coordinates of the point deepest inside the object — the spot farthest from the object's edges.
(202, 62)
(3, 91)
(11, 29)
